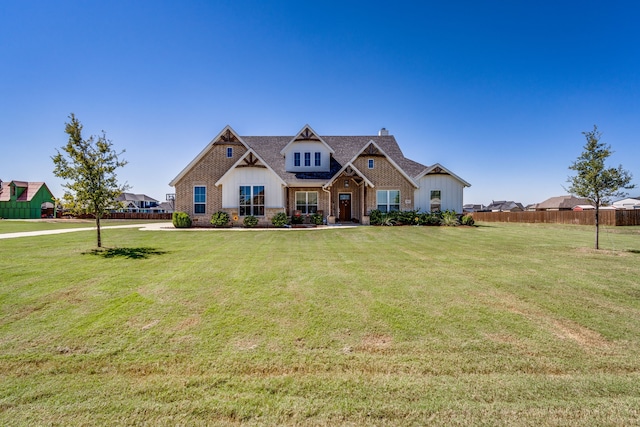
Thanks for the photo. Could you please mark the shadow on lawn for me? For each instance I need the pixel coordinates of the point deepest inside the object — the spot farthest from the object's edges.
(634, 251)
(131, 253)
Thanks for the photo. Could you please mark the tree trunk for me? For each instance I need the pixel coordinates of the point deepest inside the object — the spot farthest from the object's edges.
(597, 227)
(98, 231)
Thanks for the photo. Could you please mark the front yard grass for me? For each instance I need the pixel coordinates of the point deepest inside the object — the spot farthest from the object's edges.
(501, 324)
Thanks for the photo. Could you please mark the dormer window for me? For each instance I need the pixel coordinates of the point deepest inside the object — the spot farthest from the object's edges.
(307, 159)
(229, 152)
(318, 159)
(296, 159)
(371, 164)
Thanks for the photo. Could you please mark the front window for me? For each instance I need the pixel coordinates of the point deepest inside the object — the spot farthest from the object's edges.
(388, 200)
(199, 199)
(307, 201)
(307, 159)
(318, 159)
(296, 159)
(436, 201)
(251, 200)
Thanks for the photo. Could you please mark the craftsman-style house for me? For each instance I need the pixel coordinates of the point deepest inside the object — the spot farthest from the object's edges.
(342, 177)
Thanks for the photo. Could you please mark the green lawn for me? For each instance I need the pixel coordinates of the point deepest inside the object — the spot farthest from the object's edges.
(501, 324)
(15, 226)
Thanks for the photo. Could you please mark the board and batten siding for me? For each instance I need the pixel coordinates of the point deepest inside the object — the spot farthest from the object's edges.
(273, 189)
(450, 188)
(308, 147)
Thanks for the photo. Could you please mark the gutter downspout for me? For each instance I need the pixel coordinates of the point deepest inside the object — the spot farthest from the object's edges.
(330, 205)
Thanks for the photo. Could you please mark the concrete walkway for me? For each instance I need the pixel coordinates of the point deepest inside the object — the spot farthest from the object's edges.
(149, 226)
(160, 226)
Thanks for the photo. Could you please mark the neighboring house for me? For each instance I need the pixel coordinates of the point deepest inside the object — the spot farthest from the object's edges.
(473, 208)
(505, 206)
(25, 200)
(632, 203)
(138, 203)
(562, 203)
(166, 207)
(342, 177)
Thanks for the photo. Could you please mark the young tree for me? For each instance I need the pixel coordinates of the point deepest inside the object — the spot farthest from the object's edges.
(593, 180)
(89, 167)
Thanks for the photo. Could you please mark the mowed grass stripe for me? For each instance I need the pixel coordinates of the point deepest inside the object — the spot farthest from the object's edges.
(500, 324)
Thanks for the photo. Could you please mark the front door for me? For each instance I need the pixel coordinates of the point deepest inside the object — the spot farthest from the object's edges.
(345, 207)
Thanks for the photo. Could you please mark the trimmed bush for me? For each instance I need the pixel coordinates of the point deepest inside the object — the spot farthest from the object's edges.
(467, 220)
(375, 217)
(316, 219)
(181, 220)
(250, 221)
(280, 219)
(297, 219)
(220, 219)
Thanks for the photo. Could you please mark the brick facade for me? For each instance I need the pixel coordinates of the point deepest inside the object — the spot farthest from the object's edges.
(385, 176)
(206, 173)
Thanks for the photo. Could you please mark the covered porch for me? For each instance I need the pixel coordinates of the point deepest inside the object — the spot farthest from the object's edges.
(348, 193)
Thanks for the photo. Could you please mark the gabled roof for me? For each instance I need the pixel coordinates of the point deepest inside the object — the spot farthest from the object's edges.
(562, 202)
(344, 150)
(31, 189)
(306, 134)
(344, 168)
(126, 197)
(439, 169)
(226, 136)
(504, 206)
(375, 148)
(248, 159)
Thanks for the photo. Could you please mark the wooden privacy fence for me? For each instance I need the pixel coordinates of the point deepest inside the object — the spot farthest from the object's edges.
(133, 215)
(607, 217)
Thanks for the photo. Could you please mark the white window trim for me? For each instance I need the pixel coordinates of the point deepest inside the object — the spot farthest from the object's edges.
(388, 204)
(200, 203)
(431, 200)
(306, 197)
(251, 205)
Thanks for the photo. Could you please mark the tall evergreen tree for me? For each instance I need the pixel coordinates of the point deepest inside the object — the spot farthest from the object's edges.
(593, 180)
(89, 167)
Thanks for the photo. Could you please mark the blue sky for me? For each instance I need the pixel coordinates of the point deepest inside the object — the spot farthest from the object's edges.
(499, 92)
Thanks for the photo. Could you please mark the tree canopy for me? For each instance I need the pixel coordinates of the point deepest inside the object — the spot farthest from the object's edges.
(88, 166)
(593, 179)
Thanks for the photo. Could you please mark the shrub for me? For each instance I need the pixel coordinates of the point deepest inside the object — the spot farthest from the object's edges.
(449, 219)
(467, 220)
(280, 219)
(181, 220)
(220, 219)
(388, 219)
(316, 219)
(250, 221)
(375, 217)
(297, 219)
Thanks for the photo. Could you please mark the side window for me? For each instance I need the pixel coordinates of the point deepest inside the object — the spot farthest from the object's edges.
(199, 199)
(436, 201)
(318, 159)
